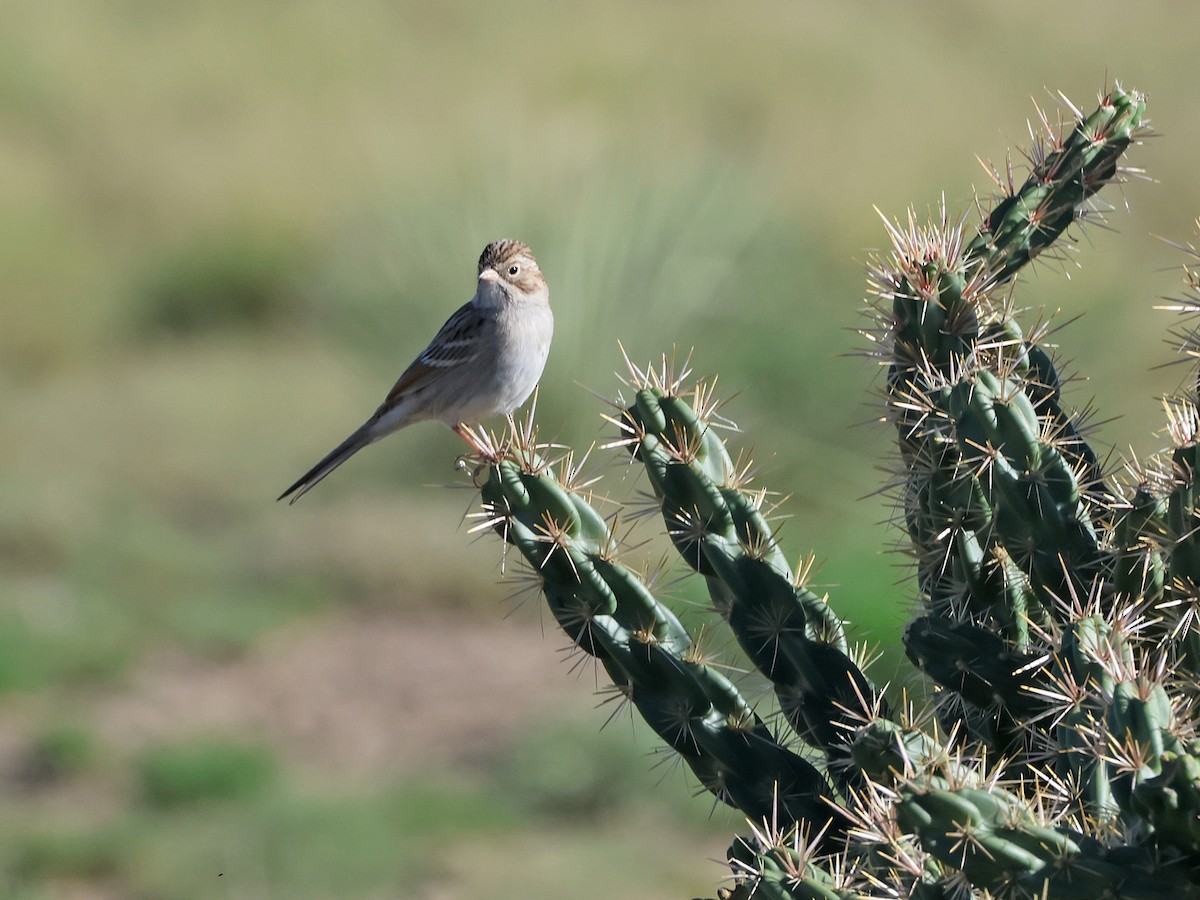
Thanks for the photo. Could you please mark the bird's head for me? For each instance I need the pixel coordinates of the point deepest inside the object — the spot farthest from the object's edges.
(508, 273)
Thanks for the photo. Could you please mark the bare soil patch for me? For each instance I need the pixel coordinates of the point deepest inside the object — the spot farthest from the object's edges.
(358, 695)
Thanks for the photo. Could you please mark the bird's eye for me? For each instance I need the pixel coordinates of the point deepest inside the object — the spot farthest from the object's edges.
(513, 271)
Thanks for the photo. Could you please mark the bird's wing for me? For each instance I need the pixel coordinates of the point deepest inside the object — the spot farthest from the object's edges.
(456, 344)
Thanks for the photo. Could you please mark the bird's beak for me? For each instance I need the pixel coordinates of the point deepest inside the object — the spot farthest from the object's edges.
(489, 275)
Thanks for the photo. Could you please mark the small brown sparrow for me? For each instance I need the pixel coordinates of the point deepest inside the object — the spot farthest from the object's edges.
(485, 361)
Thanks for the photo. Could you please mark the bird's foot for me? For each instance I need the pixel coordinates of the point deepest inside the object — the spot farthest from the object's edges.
(483, 445)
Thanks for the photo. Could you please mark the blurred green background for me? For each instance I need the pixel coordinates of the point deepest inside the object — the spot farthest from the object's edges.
(227, 226)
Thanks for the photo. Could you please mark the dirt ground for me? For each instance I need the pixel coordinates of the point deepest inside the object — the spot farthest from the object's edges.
(357, 695)
(346, 696)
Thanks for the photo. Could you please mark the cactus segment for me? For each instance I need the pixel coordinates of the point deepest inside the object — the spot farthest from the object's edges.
(1039, 504)
(974, 663)
(788, 632)
(1067, 172)
(972, 396)
(607, 612)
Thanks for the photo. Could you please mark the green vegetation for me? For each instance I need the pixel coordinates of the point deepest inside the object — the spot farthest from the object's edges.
(195, 772)
(213, 816)
(224, 227)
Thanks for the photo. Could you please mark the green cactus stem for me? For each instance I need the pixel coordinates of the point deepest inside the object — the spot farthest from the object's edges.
(608, 613)
(788, 632)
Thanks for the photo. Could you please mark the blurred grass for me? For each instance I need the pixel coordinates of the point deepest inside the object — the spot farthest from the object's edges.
(195, 772)
(211, 816)
(227, 226)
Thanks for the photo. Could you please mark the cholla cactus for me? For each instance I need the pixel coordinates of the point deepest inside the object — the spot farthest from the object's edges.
(1057, 621)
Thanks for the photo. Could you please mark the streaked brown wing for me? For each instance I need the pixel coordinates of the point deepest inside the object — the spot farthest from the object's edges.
(456, 344)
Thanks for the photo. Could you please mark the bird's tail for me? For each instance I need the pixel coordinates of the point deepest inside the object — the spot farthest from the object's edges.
(335, 458)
